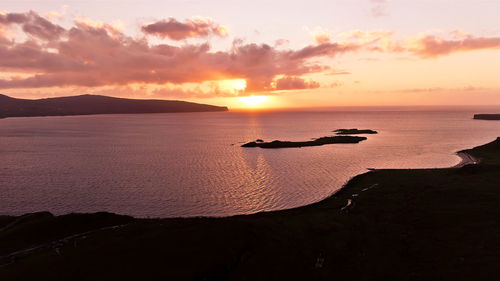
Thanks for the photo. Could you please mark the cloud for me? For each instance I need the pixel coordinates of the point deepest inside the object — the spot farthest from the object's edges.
(191, 28)
(423, 45)
(54, 15)
(57, 15)
(295, 83)
(163, 92)
(321, 36)
(281, 42)
(441, 89)
(430, 46)
(179, 92)
(325, 49)
(33, 24)
(336, 72)
(94, 55)
(379, 8)
(336, 84)
(437, 90)
(367, 37)
(12, 18)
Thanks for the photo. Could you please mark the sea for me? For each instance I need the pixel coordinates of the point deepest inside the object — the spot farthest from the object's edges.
(192, 164)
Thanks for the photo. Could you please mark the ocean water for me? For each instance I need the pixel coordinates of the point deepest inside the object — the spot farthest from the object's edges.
(191, 164)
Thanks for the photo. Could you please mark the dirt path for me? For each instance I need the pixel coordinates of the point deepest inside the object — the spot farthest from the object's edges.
(56, 244)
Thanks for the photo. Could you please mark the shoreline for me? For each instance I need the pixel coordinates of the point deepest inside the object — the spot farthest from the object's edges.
(105, 114)
(386, 224)
(466, 159)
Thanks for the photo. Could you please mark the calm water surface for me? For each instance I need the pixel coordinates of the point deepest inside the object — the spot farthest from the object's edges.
(191, 164)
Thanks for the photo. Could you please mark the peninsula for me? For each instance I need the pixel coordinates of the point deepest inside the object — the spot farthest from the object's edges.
(316, 142)
(93, 104)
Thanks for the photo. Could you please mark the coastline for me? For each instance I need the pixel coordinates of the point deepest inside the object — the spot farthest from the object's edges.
(399, 223)
(465, 156)
(466, 159)
(96, 104)
(101, 114)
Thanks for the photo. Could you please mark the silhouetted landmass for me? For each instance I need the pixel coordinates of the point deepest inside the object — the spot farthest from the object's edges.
(316, 142)
(354, 132)
(425, 224)
(487, 116)
(91, 104)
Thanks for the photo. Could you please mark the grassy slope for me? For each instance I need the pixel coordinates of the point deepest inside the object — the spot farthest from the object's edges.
(434, 224)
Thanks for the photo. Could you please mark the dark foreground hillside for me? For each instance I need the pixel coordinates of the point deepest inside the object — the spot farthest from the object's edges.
(90, 104)
(434, 224)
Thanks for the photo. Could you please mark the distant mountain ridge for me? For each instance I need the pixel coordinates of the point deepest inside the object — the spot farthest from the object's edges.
(94, 104)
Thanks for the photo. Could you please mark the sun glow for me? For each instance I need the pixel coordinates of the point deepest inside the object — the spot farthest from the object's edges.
(253, 101)
(239, 84)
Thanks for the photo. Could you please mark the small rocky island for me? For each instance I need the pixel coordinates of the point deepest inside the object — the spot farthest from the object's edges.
(355, 132)
(316, 142)
(487, 116)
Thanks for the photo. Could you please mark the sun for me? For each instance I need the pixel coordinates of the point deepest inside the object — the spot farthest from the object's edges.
(253, 101)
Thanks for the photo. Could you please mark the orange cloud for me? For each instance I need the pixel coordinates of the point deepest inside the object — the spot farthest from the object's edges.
(321, 36)
(93, 55)
(175, 30)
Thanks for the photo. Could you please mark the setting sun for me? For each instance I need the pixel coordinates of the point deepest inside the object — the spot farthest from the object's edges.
(253, 101)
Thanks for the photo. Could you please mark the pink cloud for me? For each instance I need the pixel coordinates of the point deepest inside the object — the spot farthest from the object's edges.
(379, 8)
(33, 24)
(295, 83)
(12, 18)
(97, 55)
(424, 46)
(191, 28)
(429, 46)
(441, 89)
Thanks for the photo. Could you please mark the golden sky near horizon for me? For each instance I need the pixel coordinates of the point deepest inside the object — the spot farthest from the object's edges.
(264, 54)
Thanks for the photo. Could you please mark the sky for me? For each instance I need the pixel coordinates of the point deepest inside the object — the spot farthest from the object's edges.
(252, 55)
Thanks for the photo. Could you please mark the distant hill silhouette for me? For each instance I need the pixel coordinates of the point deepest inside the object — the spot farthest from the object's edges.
(93, 104)
(487, 116)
